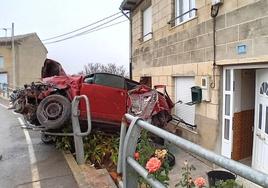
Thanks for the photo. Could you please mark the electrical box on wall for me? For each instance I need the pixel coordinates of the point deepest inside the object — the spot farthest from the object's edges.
(205, 85)
(216, 2)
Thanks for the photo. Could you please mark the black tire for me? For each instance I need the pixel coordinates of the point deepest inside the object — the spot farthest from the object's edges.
(53, 111)
(47, 139)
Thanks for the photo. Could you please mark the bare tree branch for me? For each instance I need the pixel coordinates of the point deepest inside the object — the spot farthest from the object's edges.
(112, 68)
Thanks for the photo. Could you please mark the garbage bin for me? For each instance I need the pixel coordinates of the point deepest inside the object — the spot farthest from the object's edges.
(217, 175)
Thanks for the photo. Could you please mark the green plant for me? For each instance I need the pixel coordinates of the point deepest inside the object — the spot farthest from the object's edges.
(145, 151)
(186, 179)
(64, 142)
(227, 184)
(101, 149)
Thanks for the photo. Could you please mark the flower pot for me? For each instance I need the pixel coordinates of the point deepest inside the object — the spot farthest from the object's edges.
(217, 175)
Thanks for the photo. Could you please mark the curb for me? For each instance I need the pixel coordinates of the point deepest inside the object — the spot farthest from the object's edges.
(89, 177)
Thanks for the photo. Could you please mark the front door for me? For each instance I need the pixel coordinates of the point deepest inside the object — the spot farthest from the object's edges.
(107, 97)
(260, 149)
(227, 123)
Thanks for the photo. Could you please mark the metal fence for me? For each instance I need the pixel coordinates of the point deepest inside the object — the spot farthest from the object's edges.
(131, 169)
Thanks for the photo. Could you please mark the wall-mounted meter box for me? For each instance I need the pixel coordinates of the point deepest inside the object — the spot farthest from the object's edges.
(216, 2)
(205, 86)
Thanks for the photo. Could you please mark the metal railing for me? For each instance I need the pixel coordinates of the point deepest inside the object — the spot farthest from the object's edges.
(131, 169)
(181, 15)
(77, 134)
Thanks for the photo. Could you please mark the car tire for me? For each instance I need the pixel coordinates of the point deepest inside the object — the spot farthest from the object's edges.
(47, 139)
(53, 111)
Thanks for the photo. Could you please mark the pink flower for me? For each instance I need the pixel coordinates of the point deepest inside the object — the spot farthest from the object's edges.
(200, 182)
(136, 156)
(153, 164)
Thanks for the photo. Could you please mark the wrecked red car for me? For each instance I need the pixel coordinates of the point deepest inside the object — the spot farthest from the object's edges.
(48, 103)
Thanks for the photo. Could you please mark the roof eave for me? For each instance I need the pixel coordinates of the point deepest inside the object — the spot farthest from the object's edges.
(129, 4)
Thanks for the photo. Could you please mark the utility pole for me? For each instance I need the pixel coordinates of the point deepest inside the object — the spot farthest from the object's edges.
(13, 56)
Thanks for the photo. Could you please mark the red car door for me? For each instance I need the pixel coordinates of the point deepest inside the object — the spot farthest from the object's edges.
(107, 96)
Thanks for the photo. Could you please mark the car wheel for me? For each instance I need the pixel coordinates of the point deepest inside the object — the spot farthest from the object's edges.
(47, 139)
(53, 111)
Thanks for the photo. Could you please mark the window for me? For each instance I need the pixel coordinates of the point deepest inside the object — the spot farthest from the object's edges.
(184, 10)
(147, 24)
(109, 80)
(226, 129)
(3, 78)
(1, 62)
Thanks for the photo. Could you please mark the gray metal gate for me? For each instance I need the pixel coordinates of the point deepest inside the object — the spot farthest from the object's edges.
(131, 169)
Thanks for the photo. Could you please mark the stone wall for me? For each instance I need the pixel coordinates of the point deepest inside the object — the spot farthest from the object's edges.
(30, 56)
(186, 50)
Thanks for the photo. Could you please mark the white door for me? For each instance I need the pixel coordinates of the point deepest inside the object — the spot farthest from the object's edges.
(227, 120)
(183, 93)
(260, 145)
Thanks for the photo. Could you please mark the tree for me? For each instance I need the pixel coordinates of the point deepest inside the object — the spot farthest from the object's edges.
(109, 68)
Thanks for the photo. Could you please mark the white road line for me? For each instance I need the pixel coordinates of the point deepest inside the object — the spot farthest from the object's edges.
(4, 106)
(34, 169)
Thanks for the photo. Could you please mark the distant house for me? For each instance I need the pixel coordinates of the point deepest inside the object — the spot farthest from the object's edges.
(172, 44)
(30, 54)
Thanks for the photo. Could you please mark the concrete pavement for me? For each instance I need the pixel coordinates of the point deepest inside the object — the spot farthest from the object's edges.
(26, 161)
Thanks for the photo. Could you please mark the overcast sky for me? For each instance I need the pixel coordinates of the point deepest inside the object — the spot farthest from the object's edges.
(49, 18)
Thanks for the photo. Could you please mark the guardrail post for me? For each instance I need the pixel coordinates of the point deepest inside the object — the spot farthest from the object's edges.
(130, 176)
(121, 144)
(78, 140)
(78, 136)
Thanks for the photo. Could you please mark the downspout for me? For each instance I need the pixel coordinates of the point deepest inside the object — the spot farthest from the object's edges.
(13, 57)
(214, 12)
(130, 40)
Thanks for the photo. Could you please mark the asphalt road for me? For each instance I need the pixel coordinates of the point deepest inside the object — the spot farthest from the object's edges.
(27, 162)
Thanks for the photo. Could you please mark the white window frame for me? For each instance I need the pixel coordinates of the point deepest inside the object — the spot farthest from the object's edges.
(183, 6)
(147, 29)
(2, 62)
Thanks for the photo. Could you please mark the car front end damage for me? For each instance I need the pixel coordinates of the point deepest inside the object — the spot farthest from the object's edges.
(151, 105)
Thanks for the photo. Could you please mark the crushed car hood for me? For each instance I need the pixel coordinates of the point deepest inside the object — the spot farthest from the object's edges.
(52, 68)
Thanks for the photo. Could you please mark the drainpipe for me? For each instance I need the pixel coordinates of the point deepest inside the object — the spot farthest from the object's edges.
(13, 57)
(130, 40)
(214, 12)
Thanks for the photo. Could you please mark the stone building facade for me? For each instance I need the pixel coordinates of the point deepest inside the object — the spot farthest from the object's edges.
(30, 54)
(184, 49)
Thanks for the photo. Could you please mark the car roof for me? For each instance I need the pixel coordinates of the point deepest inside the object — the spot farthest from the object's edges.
(127, 79)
